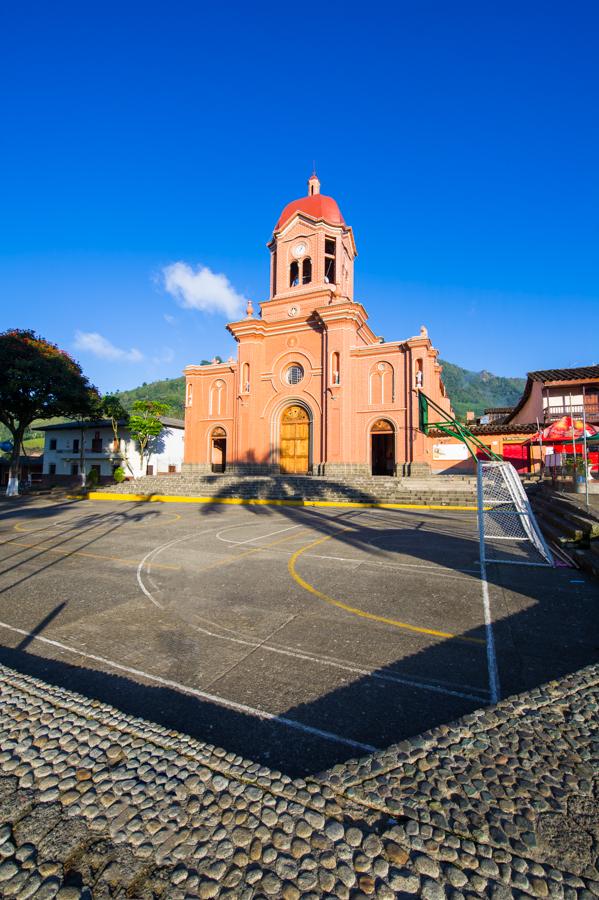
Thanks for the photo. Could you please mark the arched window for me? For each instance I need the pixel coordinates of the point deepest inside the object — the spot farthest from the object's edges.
(217, 398)
(189, 393)
(381, 385)
(335, 370)
(245, 378)
(330, 253)
(307, 270)
(294, 274)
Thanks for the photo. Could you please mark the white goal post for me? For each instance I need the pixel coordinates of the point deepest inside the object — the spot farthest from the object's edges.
(505, 515)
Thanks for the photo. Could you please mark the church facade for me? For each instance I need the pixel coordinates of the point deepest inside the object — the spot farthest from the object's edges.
(313, 389)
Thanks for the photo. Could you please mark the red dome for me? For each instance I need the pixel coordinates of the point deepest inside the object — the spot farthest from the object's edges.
(319, 206)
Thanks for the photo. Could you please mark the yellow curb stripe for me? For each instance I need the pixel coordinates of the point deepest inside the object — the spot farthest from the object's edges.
(239, 501)
(360, 612)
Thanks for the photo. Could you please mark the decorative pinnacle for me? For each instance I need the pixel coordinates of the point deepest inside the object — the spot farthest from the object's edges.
(313, 184)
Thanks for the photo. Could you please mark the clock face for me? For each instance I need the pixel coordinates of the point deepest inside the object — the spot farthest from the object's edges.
(299, 249)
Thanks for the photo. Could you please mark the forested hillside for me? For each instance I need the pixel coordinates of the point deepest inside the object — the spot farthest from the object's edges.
(171, 391)
(479, 390)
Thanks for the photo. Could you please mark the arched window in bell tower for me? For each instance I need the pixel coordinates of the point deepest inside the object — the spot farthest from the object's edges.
(330, 252)
(294, 274)
(307, 270)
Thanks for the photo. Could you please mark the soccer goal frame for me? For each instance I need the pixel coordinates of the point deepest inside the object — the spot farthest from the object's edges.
(505, 514)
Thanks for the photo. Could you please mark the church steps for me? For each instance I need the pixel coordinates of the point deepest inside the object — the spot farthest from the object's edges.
(421, 491)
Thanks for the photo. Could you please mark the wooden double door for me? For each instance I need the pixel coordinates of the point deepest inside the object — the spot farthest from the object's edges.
(295, 441)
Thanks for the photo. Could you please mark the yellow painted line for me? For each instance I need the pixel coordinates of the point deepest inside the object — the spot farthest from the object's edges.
(132, 562)
(258, 501)
(233, 559)
(171, 518)
(360, 612)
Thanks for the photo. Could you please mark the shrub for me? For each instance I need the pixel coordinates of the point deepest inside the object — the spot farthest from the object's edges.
(93, 478)
(119, 474)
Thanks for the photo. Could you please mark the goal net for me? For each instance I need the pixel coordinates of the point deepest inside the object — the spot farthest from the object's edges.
(508, 530)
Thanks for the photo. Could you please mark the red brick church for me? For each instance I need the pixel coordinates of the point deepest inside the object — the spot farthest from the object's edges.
(313, 389)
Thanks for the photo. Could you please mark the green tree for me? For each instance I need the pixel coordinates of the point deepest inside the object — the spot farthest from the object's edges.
(38, 380)
(145, 426)
(112, 408)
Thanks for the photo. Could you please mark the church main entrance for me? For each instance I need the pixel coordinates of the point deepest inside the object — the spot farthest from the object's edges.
(382, 437)
(295, 441)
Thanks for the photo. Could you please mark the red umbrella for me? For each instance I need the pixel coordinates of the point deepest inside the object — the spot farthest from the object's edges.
(564, 430)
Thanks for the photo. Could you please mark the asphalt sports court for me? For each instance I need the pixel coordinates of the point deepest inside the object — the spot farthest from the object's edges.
(297, 637)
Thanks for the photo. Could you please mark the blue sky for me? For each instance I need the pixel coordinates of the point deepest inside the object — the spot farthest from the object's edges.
(460, 139)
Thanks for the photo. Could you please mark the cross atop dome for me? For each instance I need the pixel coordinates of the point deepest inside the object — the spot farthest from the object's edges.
(313, 184)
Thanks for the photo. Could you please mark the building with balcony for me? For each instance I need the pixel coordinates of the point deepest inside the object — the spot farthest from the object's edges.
(551, 394)
(70, 445)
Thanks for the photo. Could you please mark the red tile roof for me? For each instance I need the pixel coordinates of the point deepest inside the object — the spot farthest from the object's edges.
(583, 373)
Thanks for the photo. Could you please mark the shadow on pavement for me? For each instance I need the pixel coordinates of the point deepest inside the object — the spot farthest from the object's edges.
(546, 628)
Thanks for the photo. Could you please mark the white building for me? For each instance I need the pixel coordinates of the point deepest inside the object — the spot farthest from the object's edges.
(67, 444)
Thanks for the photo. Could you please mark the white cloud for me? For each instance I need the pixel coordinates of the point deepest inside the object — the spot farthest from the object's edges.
(99, 346)
(167, 356)
(202, 289)
(168, 318)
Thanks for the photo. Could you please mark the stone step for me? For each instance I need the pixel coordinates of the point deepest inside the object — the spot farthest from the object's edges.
(359, 489)
(565, 518)
(588, 523)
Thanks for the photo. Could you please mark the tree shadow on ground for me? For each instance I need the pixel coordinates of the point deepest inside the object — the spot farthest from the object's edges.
(545, 628)
(92, 527)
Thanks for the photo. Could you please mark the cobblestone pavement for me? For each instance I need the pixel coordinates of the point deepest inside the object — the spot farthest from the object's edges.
(95, 803)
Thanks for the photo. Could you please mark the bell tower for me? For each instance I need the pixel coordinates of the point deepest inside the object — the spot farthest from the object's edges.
(312, 251)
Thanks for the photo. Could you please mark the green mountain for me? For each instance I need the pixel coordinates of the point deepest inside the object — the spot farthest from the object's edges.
(479, 390)
(171, 391)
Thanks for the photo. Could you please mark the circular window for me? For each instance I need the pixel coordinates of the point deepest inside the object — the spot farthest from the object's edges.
(294, 374)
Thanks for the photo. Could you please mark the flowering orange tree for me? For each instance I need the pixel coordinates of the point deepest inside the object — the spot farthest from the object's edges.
(37, 380)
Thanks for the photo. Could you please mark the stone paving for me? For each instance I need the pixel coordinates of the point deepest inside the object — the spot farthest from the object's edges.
(502, 803)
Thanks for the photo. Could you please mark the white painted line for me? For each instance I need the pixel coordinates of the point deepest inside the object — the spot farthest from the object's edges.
(147, 559)
(435, 687)
(491, 657)
(327, 661)
(368, 562)
(202, 695)
(494, 690)
(434, 570)
(157, 550)
(250, 540)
